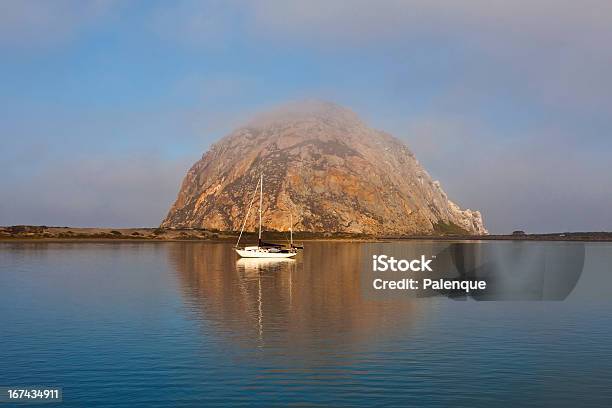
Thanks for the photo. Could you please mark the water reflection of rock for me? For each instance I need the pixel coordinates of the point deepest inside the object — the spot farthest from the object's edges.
(300, 304)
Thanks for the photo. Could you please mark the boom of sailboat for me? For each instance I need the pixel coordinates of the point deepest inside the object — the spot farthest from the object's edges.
(265, 249)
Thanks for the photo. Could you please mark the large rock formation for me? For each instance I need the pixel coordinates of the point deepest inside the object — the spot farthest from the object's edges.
(327, 168)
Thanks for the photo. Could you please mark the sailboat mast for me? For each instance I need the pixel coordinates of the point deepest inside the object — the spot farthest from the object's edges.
(291, 227)
(260, 203)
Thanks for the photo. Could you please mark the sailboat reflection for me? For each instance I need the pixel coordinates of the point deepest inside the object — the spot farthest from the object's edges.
(251, 266)
(250, 269)
(287, 306)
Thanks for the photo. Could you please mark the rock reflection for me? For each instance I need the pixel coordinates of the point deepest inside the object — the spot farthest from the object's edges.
(311, 303)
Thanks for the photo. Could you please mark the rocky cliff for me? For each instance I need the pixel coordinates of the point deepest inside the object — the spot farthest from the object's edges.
(327, 168)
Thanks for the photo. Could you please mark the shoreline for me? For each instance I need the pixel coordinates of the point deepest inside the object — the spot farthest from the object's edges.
(28, 233)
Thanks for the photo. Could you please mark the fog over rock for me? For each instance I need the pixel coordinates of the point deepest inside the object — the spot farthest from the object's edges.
(325, 166)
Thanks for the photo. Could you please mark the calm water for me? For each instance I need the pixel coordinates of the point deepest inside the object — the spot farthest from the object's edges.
(185, 324)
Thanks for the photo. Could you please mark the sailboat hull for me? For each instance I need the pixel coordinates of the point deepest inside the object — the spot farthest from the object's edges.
(243, 253)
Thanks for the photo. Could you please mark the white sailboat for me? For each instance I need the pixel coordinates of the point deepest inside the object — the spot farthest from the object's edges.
(262, 249)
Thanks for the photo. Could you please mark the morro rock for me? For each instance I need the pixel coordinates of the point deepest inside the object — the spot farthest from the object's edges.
(327, 168)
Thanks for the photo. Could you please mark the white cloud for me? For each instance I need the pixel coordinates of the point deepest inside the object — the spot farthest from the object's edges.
(554, 51)
(42, 23)
(208, 24)
(533, 20)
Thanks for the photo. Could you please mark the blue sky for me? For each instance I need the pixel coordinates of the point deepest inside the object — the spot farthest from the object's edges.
(106, 104)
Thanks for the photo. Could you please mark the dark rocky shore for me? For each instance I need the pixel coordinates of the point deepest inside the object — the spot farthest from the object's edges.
(41, 232)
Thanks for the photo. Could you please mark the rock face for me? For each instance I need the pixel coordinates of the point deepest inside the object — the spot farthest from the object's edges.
(327, 168)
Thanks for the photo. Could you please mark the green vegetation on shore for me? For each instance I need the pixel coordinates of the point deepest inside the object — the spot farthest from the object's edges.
(448, 228)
